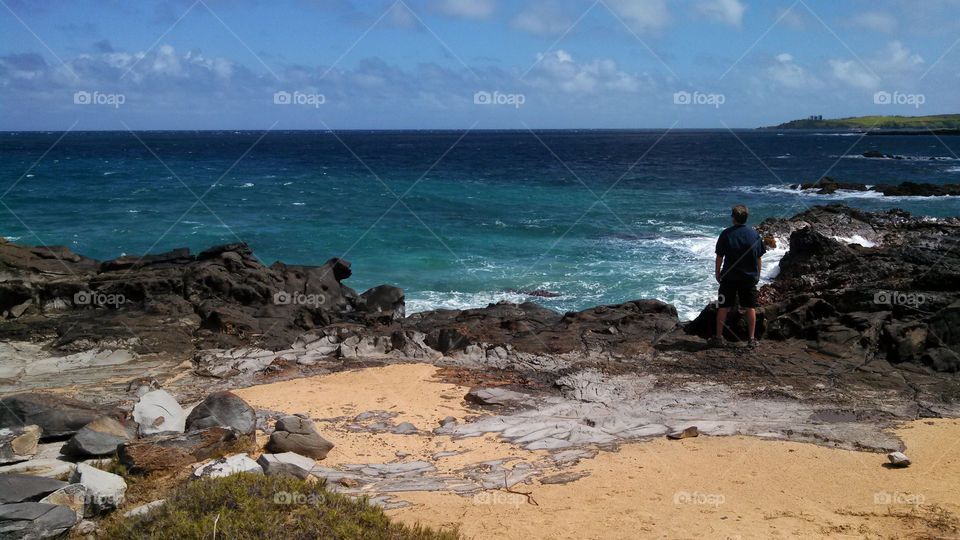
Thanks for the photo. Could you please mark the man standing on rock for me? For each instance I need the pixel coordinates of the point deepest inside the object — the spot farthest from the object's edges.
(737, 269)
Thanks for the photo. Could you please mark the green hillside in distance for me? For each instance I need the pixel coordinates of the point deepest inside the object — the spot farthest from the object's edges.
(933, 122)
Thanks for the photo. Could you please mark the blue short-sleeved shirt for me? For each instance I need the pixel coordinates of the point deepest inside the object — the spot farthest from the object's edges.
(740, 247)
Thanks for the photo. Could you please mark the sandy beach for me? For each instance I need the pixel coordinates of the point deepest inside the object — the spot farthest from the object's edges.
(717, 487)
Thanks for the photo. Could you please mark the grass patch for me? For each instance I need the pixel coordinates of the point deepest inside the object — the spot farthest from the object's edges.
(256, 506)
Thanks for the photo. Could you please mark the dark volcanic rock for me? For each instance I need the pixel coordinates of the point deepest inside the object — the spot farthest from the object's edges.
(384, 299)
(896, 301)
(35, 520)
(170, 302)
(57, 416)
(223, 409)
(827, 186)
(16, 488)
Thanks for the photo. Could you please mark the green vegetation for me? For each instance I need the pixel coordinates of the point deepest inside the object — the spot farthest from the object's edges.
(256, 506)
(940, 121)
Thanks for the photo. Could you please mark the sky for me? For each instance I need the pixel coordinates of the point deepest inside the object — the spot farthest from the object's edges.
(478, 64)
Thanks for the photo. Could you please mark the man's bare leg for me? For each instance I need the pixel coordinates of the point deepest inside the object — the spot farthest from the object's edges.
(721, 319)
(751, 321)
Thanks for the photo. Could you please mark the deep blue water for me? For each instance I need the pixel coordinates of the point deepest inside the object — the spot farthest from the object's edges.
(481, 213)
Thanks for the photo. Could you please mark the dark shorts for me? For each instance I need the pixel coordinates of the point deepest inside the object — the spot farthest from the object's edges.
(745, 290)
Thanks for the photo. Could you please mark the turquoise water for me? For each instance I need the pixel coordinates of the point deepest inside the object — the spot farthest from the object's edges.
(479, 214)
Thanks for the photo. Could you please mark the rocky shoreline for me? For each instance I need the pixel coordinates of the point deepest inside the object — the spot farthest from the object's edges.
(858, 332)
(829, 186)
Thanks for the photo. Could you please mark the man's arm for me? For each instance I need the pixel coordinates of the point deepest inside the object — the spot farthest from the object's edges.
(716, 268)
(759, 263)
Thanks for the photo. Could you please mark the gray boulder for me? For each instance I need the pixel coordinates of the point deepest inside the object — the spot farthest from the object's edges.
(31, 520)
(299, 435)
(57, 416)
(288, 463)
(159, 412)
(99, 438)
(18, 443)
(74, 496)
(223, 409)
(15, 488)
(106, 490)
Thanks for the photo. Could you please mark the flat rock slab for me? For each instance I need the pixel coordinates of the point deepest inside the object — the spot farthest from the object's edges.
(495, 396)
(35, 520)
(563, 478)
(46, 467)
(288, 463)
(18, 443)
(15, 488)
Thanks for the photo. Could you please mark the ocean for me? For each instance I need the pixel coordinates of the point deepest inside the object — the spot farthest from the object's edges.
(458, 219)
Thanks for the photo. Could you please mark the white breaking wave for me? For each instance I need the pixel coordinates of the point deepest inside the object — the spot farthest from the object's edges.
(840, 194)
(855, 239)
(430, 300)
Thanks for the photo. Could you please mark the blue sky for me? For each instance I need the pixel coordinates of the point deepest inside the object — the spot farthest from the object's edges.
(376, 64)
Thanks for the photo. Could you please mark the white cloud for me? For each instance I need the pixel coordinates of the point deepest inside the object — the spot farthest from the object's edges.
(542, 20)
(642, 15)
(729, 12)
(852, 73)
(896, 57)
(877, 21)
(470, 9)
(558, 69)
(166, 61)
(791, 17)
(788, 74)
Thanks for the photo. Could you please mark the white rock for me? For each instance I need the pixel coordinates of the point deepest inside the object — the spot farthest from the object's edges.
(229, 465)
(898, 459)
(144, 508)
(105, 490)
(157, 412)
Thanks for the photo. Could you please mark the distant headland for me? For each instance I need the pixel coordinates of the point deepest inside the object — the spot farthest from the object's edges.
(876, 125)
